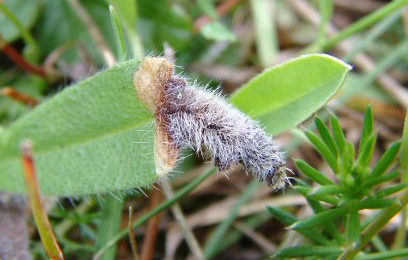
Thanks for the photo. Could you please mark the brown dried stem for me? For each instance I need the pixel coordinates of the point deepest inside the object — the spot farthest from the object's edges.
(19, 96)
(152, 230)
(15, 56)
(132, 235)
(179, 216)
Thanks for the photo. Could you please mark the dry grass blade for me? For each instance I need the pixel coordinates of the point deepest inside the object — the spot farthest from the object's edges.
(178, 214)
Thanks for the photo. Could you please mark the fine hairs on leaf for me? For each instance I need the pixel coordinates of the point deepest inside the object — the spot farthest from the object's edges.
(188, 116)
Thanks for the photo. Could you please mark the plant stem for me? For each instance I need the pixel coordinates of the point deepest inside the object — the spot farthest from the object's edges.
(375, 227)
(365, 22)
(183, 192)
(41, 219)
(179, 216)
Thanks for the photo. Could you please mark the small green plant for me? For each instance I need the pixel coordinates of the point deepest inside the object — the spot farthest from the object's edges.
(338, 232)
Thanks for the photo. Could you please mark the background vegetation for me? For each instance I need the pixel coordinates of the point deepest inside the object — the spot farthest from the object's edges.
(347, 197)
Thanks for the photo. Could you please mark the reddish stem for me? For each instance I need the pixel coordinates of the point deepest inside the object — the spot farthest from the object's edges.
(149, 241)
(34, 196)
(20, 61)
(18, 96)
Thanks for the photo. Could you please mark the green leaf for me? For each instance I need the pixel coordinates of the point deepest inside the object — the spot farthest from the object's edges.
(391, 190)
(349, 156)
(128, 14)
(379, 179)
(119, 37)
(368, 127)
(338, 133)
(26, 13)
(109, 225)
(327, 190)
(317, 207)
(298, 87)
(323, 150)
(307, 192)
(312, 173)
(374, 203)
(93, 137)
(353, 227)
(299, 251)
(288, 219)
(366, 152)
(319, 219)
(326, 136)
(388, 157)
(281, 215)
(218, 32)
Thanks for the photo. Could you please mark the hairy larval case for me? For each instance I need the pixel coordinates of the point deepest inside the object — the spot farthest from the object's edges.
(189, 116)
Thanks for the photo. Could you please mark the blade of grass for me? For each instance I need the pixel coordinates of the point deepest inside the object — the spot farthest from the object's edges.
(365, 22)
(41, 219)
(28, 38)
(372, 35)
(120, 39)
(223, 227)
(266, 38)
(109, 225)
(128, 15)
(391, 58)
(180, 194)
(326, 12)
